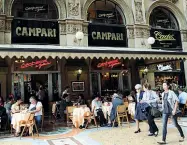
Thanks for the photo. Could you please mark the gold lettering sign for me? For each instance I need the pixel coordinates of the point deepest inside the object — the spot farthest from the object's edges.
(38, 32)
(107, 36)
(161, 37)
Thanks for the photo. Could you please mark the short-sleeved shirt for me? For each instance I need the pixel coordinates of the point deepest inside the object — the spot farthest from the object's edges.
(183, 98)
(15, 107)
(97, 105)
(39, 104)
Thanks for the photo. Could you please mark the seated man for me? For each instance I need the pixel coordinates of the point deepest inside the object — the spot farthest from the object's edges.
(36, 107)
(182, 98)
(97, 110)
(16, 106)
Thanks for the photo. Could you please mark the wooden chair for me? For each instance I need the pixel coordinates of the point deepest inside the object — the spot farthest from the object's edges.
(126, 104)
(69, 113)
(29, 122)
(89, 118)
(121, 113)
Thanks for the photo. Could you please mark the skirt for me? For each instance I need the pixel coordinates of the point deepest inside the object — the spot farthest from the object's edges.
(139, 114)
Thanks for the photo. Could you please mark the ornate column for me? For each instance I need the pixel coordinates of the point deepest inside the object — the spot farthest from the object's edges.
(141, 29)
(72, 24)
(2, 28)
(8, 27)
(130, 36)
(142, 33)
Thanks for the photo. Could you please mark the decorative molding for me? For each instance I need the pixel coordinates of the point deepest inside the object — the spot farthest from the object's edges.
(173, 1)
(62, 27)
(130, 32)
(2, 23)
(142, 31)
(8, 24)
(1, 6)
(73, 8)
(85, 27)
(138, 11)
(184, 35)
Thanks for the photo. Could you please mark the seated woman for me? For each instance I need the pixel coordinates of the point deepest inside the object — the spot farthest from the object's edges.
(81, 100)
(36, 107)
(16, 106)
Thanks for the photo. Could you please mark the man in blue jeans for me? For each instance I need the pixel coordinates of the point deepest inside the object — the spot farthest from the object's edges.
(170, 108)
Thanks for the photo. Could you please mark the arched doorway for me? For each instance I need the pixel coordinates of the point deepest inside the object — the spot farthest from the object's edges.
(165, 29)
(106, 24)
(35, 22)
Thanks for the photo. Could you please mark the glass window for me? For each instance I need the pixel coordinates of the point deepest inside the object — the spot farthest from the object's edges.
(105, 11)
(37, 9)
(163, 18)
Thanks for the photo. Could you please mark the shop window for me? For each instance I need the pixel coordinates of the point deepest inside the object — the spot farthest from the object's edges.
(105, 11)
(163, 18)
(165, 29)
(35, 9)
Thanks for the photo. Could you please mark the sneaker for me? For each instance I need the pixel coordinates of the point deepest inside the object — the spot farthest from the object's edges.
(181, 139)
(162, 142)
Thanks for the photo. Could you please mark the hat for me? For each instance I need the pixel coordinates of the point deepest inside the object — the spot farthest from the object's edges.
(138, 86)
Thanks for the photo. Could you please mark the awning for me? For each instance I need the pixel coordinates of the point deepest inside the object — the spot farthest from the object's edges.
(48, 51)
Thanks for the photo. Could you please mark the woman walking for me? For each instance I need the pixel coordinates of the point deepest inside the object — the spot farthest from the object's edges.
(170, 108)
(150, 98)
(138, 113)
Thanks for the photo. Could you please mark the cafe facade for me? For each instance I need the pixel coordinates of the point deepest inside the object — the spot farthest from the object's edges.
(39, 46)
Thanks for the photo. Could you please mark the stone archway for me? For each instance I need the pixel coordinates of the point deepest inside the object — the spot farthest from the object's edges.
(121, 3)
(60, 4)
(173, 8)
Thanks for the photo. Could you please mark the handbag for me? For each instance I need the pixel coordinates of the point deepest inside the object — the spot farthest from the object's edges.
(155, 112)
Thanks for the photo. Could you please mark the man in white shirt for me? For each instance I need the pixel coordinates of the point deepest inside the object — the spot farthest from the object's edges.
(97, 110)
(182, 98)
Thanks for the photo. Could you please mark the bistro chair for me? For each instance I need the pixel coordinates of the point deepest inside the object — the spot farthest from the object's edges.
(89, 118)
(28, 122)
(69, 113)
(121, 113)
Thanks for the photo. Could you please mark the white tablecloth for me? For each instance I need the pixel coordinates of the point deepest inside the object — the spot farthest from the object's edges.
(107, 107)
(78, 116)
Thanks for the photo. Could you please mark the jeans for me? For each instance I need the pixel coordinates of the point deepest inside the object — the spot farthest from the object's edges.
(38, 120)
(152, 126)
(175, 123)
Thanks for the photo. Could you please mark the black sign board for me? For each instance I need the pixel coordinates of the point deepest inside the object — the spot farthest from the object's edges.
(35, 32)
(106, 14)
(107, 35)
(166, 39)
(37, 8)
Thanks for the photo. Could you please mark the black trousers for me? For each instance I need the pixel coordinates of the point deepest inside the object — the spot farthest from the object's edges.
(152, 125)
(101, 118)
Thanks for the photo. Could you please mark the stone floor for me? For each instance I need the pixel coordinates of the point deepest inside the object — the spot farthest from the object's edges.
(59, 135)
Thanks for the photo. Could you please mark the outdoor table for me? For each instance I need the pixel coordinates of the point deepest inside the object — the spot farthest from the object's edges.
(16, 118)
(78, 115)
(107, 107)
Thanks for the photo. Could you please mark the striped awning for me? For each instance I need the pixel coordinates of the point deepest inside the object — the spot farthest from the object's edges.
(49, 51)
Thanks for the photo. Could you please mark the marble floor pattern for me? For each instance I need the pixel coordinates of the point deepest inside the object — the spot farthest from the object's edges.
(102, 136)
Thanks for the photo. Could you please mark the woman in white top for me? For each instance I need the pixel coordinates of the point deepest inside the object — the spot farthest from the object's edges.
(36, 107)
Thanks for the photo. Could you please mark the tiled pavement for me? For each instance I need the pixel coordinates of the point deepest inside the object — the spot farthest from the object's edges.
(92, 137)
